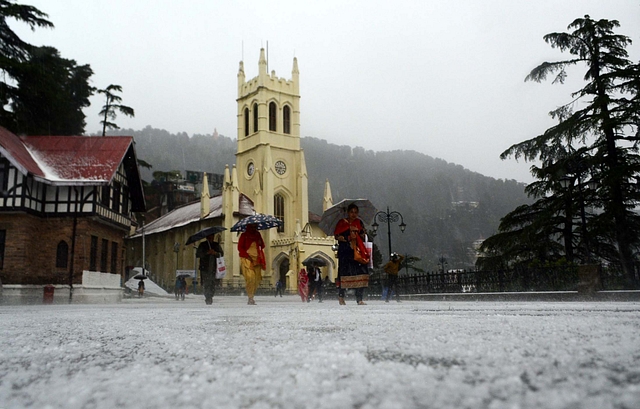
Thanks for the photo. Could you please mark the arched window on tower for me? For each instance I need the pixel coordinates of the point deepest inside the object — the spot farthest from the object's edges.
(255, 117)
(286, 119)
(246, 122)
(62, 254)
(272, 116)
(278, 210)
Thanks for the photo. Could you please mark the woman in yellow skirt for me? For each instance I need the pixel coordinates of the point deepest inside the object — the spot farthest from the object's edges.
(252, 261)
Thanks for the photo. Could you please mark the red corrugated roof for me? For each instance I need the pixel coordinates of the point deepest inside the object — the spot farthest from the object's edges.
(17, 153)
(75, 158)
(66, 159)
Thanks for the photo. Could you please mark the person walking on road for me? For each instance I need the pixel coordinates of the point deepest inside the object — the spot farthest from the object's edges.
(208, 252)
(391, 268)
(303, 284)
(250, 249)
(315, 283)
(349, 233)
(178, 288)
(279, 288)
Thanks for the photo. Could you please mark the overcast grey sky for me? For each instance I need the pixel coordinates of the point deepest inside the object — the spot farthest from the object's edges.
(445, 78)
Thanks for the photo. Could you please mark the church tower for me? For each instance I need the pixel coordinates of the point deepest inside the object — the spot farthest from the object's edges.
(271, 165)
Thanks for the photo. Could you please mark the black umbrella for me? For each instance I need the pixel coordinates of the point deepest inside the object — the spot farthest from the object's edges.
(202, 234)
(262, 222)
(315, 261)
(140, 277)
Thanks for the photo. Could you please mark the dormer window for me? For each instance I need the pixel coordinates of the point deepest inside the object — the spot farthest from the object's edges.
(4, 175)
(115, 202)
(105, 196)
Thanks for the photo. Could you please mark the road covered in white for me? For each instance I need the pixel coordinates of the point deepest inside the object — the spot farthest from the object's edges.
(282, 353)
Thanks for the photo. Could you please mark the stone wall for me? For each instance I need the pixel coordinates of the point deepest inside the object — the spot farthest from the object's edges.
(31, 245)
(95, 287)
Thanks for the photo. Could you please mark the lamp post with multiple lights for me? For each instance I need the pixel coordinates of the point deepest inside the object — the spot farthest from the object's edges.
(387, 217)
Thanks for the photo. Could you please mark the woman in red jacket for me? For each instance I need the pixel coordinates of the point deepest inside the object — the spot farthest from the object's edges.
(349, 233)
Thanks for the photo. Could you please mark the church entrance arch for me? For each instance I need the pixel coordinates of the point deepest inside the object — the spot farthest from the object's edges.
(282, 266)
(330, 269)
(283, 270)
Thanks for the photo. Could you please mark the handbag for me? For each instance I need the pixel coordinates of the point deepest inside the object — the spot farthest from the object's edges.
(221, 269)
(358, 256)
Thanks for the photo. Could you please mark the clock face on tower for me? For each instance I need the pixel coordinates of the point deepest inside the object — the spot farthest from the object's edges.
(251, 168)
(280, 167)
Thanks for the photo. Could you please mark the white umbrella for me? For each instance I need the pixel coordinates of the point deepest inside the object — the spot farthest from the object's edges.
(149, 286)
(331, 216)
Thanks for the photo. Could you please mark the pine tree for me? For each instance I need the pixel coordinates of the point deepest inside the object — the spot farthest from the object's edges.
(595, 139)
(111, 106)
(40, 92)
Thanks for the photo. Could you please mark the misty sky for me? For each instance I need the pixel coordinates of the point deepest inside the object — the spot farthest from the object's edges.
(445, 78)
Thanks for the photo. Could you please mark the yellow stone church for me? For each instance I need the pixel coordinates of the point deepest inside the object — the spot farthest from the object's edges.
(269, 177)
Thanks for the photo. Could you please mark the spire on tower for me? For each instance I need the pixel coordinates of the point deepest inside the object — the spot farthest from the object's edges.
(241, 77)
(262, 63)
(327, 200)
(295, 76)
(204, 197)
(227, 176)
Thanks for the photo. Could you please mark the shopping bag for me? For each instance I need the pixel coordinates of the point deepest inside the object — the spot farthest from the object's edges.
(221, 269)
(369, 246)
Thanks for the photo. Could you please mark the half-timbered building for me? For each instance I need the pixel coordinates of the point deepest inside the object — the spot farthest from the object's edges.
(66, 204)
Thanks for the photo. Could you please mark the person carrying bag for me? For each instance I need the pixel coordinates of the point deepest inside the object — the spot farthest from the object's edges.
(208, 251)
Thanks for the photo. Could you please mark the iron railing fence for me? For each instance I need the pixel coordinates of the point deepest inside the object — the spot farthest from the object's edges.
(561, 278)
(614, 279)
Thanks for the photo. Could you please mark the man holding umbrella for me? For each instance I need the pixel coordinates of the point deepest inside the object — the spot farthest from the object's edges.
(315, 277)
(208, 253)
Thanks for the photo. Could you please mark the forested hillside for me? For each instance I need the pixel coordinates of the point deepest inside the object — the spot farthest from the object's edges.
(445, 206)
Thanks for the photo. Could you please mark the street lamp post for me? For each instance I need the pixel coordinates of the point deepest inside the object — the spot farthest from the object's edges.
(442, 261)
(387, 217)
(176, 249)
(406, 263)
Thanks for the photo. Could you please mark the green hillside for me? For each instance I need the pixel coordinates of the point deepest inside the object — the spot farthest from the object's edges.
(445, 206)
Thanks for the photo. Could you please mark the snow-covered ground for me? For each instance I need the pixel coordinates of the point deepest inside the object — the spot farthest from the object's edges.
(282, 353)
